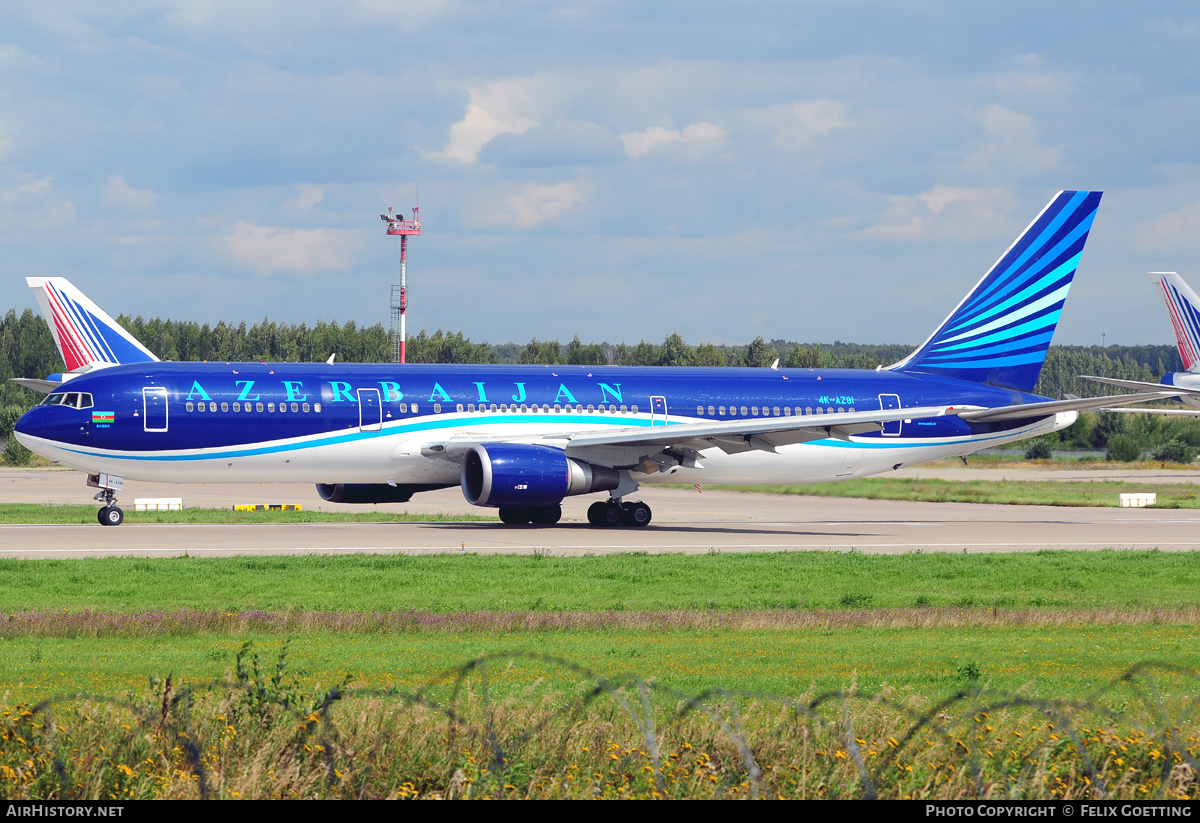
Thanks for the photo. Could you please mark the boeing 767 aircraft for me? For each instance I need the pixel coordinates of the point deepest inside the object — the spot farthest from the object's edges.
(522, 438)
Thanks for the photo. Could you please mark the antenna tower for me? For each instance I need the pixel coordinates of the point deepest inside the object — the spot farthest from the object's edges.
(399, 226)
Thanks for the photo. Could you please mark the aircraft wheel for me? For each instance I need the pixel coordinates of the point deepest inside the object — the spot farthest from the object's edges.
(547, 514)
(595, 513)
(514, 515)
(110, 516)
(635, 514)
(612, 514)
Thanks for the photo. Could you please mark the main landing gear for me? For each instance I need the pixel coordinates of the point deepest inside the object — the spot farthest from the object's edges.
(615, 513)
(605, 513)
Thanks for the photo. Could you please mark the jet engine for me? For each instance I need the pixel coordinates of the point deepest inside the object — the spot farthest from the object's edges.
(515, 474)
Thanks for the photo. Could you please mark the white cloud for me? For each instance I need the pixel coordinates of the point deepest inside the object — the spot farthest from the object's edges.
(306, 197)
(272, 249)
(944, 213)
(535, 203)
(639, 143)
(498, 109)
(118, 194)
(1178, 231)
(1011, 144)
(796, 125)
(38, 184)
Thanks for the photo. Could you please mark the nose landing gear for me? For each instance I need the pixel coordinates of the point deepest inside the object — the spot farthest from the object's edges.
(109, 514)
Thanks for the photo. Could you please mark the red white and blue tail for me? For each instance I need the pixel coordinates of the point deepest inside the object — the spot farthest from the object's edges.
(1183, 307)
(86, 337)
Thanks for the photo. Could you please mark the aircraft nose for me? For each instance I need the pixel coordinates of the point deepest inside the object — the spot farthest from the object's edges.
(23, 428)
(32, 424)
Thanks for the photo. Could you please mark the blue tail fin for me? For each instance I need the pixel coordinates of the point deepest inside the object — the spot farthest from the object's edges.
(1000, 332)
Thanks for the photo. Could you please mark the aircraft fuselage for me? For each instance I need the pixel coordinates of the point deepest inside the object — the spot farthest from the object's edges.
(282, 422)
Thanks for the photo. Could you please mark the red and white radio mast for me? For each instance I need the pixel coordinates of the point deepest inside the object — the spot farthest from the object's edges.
(399, 226)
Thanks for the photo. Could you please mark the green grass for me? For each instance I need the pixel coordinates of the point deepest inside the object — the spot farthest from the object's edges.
(34, 514)
(1006, 492)
(622, 582)
(1063, 661)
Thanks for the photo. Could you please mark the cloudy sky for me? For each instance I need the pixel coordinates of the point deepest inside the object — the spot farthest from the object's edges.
(810, 171)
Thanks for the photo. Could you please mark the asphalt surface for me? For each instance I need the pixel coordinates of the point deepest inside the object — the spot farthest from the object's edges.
(684, 521)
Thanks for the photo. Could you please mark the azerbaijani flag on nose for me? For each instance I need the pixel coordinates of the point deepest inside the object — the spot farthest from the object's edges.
(103, 416)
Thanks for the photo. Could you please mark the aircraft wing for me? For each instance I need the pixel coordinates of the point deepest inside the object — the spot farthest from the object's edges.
(1177, 412)
(1170, 391)
(680, 443)
(1023, 410)
(768, 432)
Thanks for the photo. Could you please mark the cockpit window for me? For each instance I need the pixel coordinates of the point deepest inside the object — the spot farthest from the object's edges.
(76, 400)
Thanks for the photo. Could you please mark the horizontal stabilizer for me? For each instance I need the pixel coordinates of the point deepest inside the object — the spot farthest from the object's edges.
(43, 386)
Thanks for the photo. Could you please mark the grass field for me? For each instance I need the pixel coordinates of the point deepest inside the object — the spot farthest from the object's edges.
(449, 583)
(1029, 650)
(1067, 661)
(745, 620)
(1004, 492)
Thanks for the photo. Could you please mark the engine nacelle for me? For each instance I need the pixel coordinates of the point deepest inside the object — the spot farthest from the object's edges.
(370, 492)
(516, 474)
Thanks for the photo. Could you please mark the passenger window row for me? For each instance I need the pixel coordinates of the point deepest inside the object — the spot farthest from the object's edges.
(211, 406)
(765, 411)
(543, 409)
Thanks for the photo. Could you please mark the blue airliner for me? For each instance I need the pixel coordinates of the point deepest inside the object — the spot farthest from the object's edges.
(522, 438)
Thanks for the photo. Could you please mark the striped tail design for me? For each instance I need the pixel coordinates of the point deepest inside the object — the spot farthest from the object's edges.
(1000, 332)
(1181, 303)
(84, 334)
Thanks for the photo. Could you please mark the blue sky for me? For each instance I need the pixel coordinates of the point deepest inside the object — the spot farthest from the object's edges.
(810, 171)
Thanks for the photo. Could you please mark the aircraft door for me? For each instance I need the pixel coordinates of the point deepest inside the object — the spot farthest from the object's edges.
(154, 409)
(888, 402)
(658, 411)
(370, 410)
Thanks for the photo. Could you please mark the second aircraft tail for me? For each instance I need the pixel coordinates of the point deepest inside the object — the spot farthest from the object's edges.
(86, 337)
(1183, 307)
